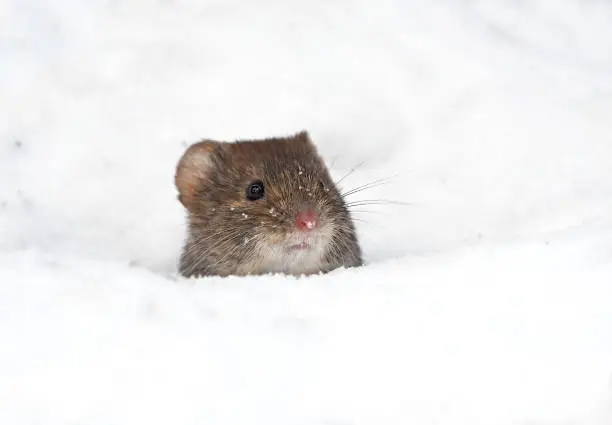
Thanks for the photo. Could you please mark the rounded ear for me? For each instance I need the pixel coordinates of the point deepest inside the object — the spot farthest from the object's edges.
(304, 138)
(194, 166)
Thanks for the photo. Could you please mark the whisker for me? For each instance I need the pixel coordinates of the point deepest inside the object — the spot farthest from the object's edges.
(366, 212)
(369, 185)
(351, 171)
(377, 202)
(334, 159)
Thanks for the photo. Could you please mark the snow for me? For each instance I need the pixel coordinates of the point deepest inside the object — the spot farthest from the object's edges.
(485, 300)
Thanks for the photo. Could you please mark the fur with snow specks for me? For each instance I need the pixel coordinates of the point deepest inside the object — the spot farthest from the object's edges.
(230, 235)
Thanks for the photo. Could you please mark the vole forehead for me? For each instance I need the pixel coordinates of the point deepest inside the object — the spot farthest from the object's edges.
(271, 157)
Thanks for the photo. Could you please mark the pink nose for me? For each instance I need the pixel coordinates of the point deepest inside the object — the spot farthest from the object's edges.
(306, 220)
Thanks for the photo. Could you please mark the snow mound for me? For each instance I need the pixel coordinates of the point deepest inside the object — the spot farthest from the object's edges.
(485, 300)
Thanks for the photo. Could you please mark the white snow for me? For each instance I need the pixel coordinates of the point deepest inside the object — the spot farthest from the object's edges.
(486, 300)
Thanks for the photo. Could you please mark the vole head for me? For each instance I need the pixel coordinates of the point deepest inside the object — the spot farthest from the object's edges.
(262, 206)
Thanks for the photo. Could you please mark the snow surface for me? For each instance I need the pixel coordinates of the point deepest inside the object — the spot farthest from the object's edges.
(487, 300)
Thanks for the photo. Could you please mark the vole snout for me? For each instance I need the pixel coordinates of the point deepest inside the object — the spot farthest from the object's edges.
(307, 219)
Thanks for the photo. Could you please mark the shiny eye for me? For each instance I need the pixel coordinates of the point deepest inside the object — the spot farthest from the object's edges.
(255, 190)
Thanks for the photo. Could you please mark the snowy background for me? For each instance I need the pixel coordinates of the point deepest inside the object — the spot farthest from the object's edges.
(487, 300)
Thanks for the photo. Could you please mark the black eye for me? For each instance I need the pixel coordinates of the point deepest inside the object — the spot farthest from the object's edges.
(255, 190)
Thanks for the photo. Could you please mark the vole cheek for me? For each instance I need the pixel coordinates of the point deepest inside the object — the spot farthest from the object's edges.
(236, 206)
(274, 238)
(272, 232)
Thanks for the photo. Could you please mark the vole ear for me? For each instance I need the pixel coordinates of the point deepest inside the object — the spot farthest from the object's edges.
(304, 138)
(194, 166)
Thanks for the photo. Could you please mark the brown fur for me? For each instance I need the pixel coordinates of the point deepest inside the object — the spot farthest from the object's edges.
(226, 230)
